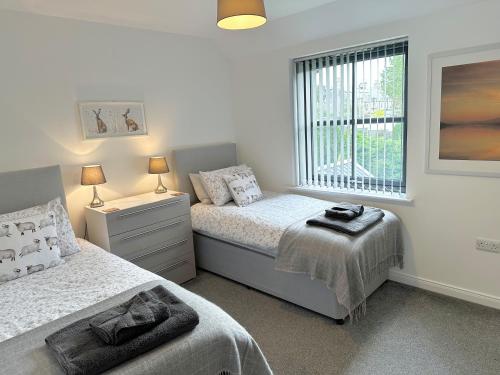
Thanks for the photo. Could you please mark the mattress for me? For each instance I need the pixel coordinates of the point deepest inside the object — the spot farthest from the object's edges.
(86, 278)
(258, 226)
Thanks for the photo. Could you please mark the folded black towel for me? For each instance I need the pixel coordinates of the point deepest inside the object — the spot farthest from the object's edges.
(345, 211)
(352, 227)
(130, 319)
(80, 351)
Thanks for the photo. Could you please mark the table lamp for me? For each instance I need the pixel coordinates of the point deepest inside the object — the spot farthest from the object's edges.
(93, 175)
(158, 165)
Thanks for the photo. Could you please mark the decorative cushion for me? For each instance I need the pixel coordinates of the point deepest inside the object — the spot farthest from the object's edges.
(215, 185)
(200, 191)
(28, 245)
(67, 240)
(243, 187)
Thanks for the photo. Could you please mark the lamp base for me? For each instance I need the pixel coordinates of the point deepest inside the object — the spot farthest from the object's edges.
(96, 201)
(160, 189)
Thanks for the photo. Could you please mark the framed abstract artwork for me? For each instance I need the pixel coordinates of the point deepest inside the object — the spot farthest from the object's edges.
(463, 135)
(112, 119)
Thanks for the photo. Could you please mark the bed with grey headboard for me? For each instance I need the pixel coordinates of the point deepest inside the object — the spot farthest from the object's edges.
(218, 345)
(242, 263)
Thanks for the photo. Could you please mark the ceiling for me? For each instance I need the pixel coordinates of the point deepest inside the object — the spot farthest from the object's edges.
(290, 21)
(191, 17)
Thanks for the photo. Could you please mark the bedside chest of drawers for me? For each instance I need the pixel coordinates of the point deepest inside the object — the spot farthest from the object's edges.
(150, 230)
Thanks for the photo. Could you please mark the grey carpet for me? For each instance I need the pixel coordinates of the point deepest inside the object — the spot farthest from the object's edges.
(406, 331)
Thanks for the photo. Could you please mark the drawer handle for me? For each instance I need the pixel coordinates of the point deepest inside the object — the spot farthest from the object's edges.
(159, 250)
(149, 209)
(173, 266)
(152, 230)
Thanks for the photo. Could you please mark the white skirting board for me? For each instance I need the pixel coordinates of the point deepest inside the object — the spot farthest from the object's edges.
(445, 289)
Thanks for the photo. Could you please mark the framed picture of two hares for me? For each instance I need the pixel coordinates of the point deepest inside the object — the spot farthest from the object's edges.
(112, 119)
(464, 119)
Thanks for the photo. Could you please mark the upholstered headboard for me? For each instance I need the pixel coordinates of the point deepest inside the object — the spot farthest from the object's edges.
(30, 187)
(201, 158)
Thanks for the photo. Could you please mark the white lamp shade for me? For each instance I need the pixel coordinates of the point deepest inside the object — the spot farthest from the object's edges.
(240, 14)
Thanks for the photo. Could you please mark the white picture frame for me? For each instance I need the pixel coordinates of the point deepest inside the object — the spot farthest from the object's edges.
(436, 63)
(112, 119)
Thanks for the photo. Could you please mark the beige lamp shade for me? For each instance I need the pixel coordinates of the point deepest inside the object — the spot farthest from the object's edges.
(93, 175)
(158, 165)
(240, 14)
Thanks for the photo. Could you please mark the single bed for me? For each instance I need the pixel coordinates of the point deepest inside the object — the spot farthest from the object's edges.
(93, 280)
(241, 243)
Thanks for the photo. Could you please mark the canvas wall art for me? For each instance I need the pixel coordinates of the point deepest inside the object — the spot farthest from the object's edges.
(464, 128)
(112, 119)
(470, 112)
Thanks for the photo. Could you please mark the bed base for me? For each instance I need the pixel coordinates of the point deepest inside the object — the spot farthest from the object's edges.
(338, 322)
(256, 270)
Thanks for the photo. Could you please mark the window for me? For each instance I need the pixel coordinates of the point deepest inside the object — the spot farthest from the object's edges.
(351, 117)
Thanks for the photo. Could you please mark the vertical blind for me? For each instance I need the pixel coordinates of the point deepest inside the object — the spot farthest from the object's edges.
(350, 118)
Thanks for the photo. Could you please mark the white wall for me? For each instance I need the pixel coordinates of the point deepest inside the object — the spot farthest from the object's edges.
(448, 212)
(49, 64)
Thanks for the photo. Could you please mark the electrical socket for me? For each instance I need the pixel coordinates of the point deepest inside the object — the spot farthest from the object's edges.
(485, 244)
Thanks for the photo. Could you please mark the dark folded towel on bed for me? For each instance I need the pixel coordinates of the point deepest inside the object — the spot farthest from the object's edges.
(352, 227)
(130, 319)
(345, 211)
(80, 351)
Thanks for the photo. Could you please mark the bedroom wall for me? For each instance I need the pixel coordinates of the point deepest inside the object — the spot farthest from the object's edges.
(448, 212)
(49, 64)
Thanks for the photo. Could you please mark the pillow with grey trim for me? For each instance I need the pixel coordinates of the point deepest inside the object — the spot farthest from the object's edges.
(215, 185)
(28, 245)
(244, 188)
(67, 240)
(199, 189)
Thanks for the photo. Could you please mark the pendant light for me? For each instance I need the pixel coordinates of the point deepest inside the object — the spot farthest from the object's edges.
(240, 14)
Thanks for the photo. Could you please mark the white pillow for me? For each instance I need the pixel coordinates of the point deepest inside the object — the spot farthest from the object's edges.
(200, 191)
(244, 188)
(216, 186)
(67, 240)
(28, 245)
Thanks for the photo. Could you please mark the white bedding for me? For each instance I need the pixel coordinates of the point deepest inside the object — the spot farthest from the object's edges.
(259, 225)
(86, 278)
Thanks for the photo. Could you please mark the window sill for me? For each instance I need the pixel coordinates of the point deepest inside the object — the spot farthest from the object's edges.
(321, 192)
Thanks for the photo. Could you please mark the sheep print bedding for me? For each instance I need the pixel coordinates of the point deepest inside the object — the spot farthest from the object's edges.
(86, 278)
(259, 225)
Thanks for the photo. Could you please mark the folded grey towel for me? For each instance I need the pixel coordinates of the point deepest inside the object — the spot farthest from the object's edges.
(80, 351)
(352, 227)
(130, 319)
(345, 211)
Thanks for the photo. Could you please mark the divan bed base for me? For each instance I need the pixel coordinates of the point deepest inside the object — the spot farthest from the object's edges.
(256, 270)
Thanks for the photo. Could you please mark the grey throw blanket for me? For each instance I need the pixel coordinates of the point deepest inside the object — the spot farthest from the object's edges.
(80, 352)
(344, 263)
(132, 318)
(353, 227)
